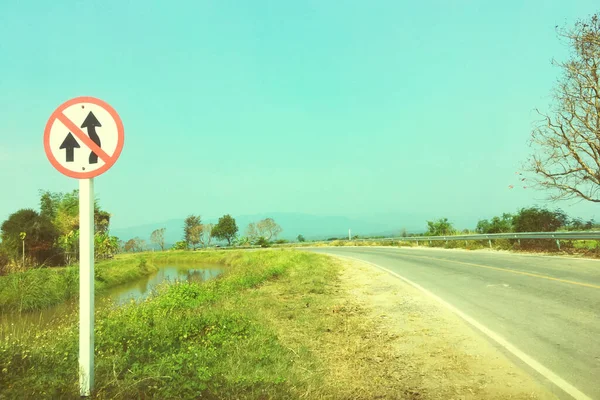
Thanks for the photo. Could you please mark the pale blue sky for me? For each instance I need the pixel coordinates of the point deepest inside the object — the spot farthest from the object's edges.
(322, 107)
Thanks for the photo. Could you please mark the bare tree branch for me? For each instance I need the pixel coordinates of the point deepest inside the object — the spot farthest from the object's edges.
(566, 140)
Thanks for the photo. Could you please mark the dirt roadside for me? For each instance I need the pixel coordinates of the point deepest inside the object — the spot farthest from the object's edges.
(437, 355)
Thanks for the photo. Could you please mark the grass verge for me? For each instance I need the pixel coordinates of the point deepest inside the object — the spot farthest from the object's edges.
(189, 340)
(38, 288)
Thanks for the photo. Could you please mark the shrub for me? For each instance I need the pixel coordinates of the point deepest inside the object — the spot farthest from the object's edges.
(262, 242)
(496, 225)
(440, 227)
(536, 219)
(181, 245)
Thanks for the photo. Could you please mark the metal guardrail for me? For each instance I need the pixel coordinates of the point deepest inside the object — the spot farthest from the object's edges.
(491, 236)
(591, 235)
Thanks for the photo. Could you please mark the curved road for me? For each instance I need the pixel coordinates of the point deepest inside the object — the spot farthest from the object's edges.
(546, 307)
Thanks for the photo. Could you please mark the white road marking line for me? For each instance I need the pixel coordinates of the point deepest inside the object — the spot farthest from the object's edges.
(548, 374)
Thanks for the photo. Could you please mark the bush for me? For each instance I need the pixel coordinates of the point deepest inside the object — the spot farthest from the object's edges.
(181, 245)
(496, 225)
(262, 242)
(536, 219)
(440, 227)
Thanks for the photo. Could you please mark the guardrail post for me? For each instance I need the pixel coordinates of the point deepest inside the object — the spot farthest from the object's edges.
(558, 243)
(519, 242)
(490, 243)
(417, 242)
(465, 243)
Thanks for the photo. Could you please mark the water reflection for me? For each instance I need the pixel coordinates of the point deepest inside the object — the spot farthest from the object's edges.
(169, 273)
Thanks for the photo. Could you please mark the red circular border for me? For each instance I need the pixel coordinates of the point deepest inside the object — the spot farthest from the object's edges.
(113, 158)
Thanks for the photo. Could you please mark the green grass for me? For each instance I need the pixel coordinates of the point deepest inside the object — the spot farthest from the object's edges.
(38, 288)
(190, 340)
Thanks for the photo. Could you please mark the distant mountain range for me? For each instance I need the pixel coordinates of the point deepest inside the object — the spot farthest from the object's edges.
(312, 227)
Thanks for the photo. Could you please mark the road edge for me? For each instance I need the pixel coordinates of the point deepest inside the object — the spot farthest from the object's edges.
(531, 362)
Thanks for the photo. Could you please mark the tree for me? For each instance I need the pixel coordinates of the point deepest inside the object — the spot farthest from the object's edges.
(206, 236)
(536, 219)
(441, 227)
(101, 221)
(268, 228)
(135, 245)
(502, 224)
(62, 209)
(195, 235)
(226, 229)
(403, 232)
(158, 238)
(190, 232)
(48, 203)
(567, 139)
(38, 230)
(4, 262)
(139, 244)
(301, 238)
(105, 246)
(252, 232)
(129, 245)
(576, 224)
(69, 244)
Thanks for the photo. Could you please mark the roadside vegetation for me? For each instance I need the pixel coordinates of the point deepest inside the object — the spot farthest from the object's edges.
(215, 339)
(50, 236)
(532, 219)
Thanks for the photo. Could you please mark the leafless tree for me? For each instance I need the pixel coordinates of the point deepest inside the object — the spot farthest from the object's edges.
(252, 232)
(205, 236)
(158, 238)
(566, 140)
(268, 228)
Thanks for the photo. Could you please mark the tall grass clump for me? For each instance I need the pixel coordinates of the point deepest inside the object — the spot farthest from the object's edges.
(37, 288)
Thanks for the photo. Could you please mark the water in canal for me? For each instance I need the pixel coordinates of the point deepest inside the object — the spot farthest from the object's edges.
(118, 295)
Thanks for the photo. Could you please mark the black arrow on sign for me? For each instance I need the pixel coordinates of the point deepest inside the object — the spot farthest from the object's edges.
(91, 122)
(69, 144)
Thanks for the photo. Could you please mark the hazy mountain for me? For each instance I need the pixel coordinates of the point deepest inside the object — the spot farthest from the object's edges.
(293, 224)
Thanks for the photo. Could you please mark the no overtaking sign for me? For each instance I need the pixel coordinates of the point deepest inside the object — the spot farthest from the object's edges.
(83, 139)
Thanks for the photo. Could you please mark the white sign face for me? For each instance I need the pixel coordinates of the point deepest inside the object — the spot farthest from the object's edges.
(83, 137)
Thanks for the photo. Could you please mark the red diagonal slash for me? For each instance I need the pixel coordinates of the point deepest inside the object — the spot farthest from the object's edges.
(75, 130)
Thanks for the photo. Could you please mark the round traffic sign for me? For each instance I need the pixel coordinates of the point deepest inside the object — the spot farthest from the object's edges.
(83, 137)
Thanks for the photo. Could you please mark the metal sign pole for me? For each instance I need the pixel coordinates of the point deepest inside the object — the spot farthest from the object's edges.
(86, 286)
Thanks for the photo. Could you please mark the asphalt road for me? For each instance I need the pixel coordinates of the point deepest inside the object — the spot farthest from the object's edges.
(547, 307)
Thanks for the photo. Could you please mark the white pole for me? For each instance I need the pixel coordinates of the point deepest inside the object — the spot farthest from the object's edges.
(86, 286)
(349, 234)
